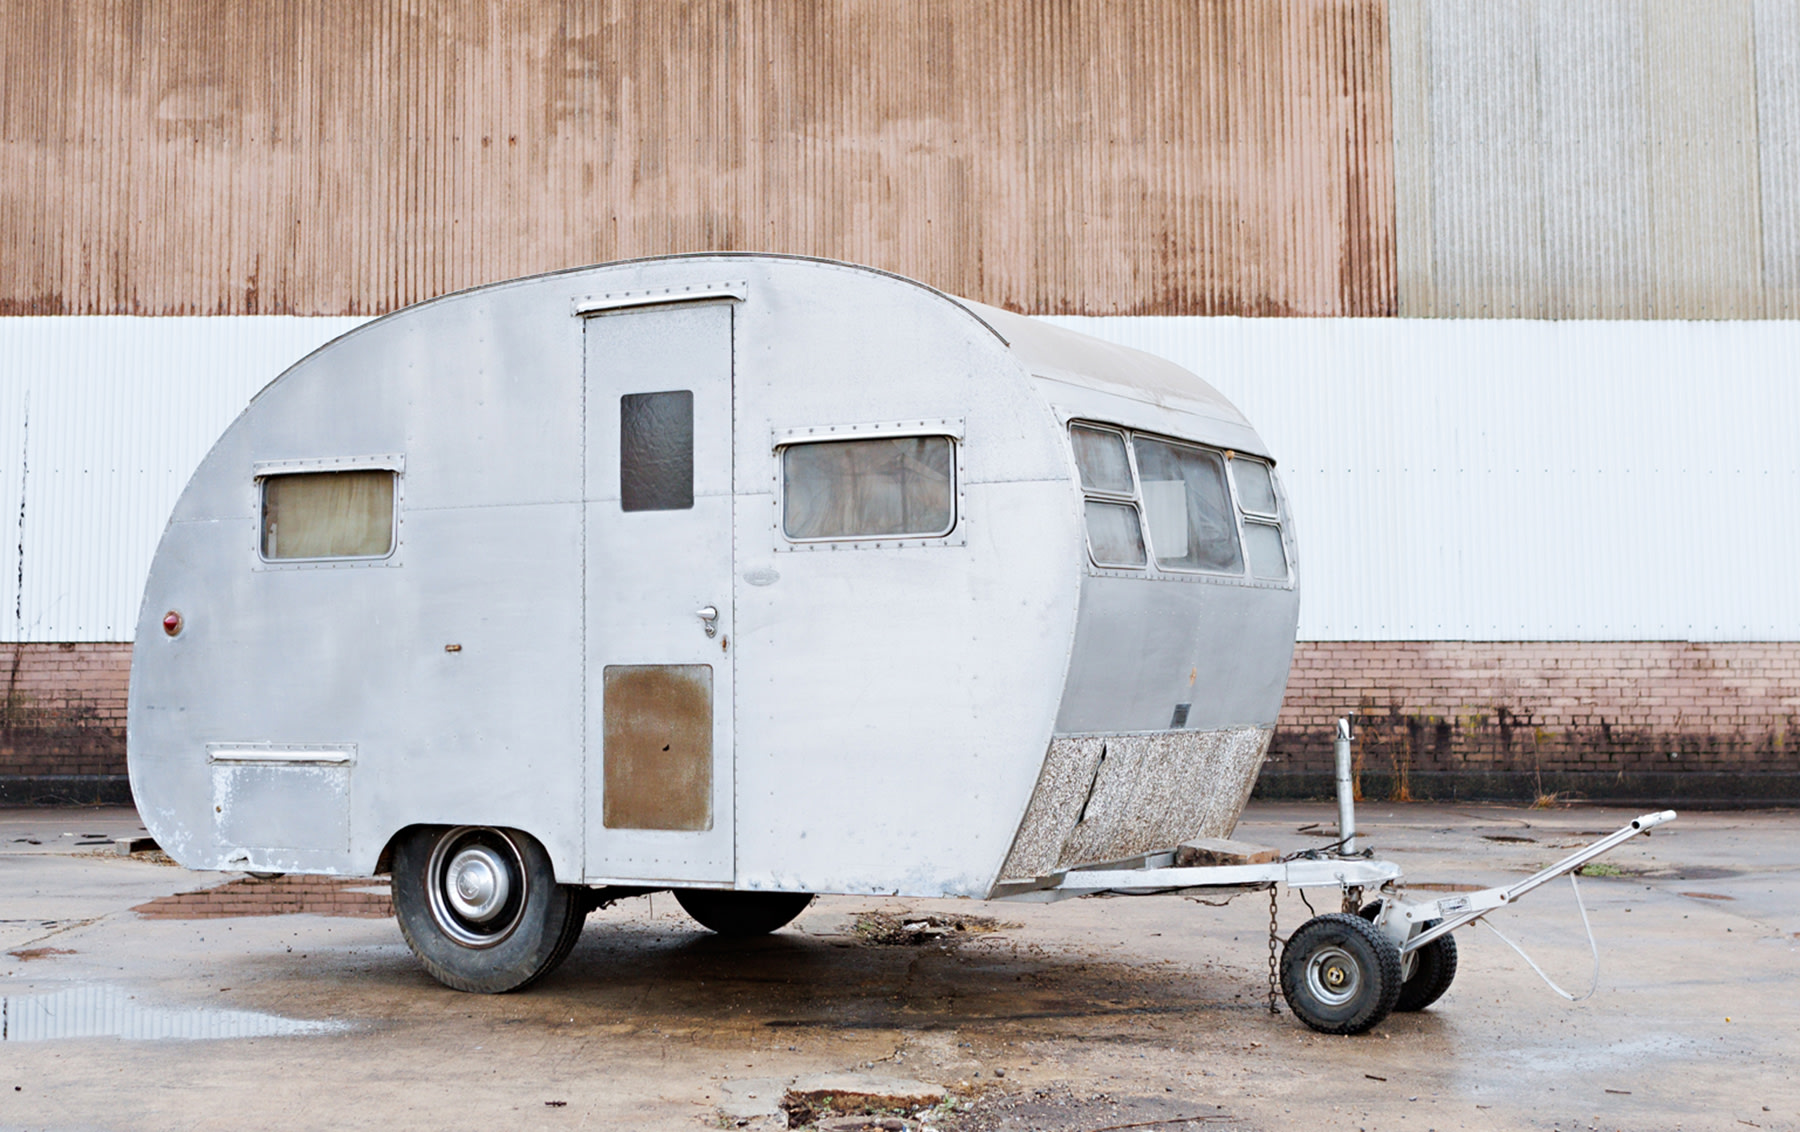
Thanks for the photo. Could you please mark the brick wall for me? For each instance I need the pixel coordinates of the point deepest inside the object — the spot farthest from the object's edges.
(276, 896)
(1437, 719)
(62, 709)
(1651, 718)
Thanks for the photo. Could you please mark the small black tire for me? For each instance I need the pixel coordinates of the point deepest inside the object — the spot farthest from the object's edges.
(1433, 967)
(1340, 974)
(481, 908)
(741, 913)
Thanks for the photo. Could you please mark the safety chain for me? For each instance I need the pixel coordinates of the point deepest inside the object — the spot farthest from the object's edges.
(1274, 980)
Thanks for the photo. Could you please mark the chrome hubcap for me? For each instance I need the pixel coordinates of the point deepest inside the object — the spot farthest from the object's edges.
(476, 885)
(1332, 975)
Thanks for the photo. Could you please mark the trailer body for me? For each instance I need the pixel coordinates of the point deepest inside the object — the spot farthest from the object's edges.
(717, 572)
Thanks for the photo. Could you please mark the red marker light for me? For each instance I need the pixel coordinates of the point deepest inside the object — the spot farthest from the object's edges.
(172, 623)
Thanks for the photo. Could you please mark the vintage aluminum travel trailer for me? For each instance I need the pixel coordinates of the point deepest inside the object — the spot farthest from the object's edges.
(745, 576)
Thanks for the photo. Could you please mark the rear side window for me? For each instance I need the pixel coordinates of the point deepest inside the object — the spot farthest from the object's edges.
(1100, 455)
(1262, 526)
(328, 515)
(1180, 507)
(885, 487)
(1115, 535)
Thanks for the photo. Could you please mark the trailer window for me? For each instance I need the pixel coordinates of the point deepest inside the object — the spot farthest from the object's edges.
(328, 515)
(1192, 523)
(1256, 487)
(1114, 538)
(656, 451)
(1262, 529)
(1267, 558)
(885, 487)
(1100, 456)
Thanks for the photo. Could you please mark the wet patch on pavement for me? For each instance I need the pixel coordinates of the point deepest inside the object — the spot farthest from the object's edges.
(99, 1011)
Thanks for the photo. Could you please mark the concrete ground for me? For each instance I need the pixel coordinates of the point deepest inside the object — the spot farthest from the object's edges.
(1090, 1014)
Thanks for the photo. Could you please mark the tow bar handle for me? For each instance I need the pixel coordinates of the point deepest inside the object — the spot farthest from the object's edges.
(1459, 911)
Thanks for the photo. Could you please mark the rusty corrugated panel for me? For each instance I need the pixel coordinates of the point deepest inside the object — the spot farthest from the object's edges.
(1098, 156)
(1596, 158)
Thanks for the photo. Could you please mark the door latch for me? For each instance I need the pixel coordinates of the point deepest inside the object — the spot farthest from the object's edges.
(709, 617)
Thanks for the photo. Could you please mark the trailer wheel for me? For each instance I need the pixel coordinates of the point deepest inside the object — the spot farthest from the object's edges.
(742, 913)
(1340, 974)
(1433, 966)
(481, 908)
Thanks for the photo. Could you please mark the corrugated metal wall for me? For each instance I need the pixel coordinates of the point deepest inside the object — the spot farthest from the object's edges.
(1505, 481)
(1451, 480)
(1099, 156)
(1597, 158)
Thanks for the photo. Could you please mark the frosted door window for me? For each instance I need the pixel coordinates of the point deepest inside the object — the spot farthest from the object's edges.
(890, 487)
(656, 451)
(328, 515)
(1193, 525)
(1100, 456)
(1113, 535)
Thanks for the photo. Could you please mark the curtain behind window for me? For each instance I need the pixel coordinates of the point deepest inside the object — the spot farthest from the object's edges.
(878, 488)
(328, 515)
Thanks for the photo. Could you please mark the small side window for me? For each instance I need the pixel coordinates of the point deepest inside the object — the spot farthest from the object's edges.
(328, 515)
(1115, 535)
(1100, 457)
(881, 487)
(1262, 529)
(1267, 558)
(1256, 487)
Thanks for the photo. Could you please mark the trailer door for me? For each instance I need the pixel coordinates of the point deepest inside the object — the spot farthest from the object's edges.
(658, 593)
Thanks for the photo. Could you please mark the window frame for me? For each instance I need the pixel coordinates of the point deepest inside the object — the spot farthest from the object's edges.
(1237, 512)
(265, 470)
(1153, 569)
(1130, 499)
(947, 429)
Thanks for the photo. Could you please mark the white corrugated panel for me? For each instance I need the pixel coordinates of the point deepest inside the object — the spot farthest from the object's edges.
(1451, 480)
(1489, 480)
(103, 421)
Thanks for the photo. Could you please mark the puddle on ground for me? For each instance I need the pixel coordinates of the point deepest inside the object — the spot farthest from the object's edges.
(94, 1011)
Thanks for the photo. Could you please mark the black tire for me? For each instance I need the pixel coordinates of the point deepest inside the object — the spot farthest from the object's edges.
(742, 913)
(1433, 967)
(507, 924)
(1340, 974)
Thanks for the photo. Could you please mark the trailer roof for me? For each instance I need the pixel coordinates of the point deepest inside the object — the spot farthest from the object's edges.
(1071, 358)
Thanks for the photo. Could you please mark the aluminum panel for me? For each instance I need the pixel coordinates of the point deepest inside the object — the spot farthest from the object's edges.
(1511, 480)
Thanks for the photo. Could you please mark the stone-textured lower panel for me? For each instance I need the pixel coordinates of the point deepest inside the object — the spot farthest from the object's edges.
(1106, 797)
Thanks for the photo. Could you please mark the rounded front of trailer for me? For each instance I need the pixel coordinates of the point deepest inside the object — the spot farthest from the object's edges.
(1188, 609)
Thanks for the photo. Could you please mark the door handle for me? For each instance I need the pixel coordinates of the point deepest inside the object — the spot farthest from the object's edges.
(709, 617)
